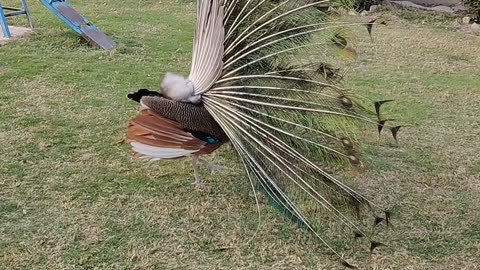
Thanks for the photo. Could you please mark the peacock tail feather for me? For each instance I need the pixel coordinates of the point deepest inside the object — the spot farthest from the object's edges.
(290, 123)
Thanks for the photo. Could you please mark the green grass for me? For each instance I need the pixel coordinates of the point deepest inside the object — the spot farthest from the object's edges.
(73, 197)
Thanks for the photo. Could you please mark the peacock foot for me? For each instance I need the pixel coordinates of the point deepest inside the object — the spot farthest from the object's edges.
(198, 182)
(199, 185)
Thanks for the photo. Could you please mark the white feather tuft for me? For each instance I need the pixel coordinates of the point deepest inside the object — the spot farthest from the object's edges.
(158, 153)
(178, 88)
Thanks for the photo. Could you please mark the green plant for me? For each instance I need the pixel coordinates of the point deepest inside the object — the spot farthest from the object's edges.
(361, 5)
(346, 4)
(358, 5)
(474, 6)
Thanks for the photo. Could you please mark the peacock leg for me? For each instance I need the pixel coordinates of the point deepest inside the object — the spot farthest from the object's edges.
(198, 179)
(212, 167)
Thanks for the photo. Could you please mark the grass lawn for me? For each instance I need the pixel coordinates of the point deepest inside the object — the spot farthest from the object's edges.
(73, 197)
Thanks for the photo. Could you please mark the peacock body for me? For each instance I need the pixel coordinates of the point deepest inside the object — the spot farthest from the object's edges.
(259, 80)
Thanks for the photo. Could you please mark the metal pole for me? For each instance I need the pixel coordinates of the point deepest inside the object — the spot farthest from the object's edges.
(3, 23)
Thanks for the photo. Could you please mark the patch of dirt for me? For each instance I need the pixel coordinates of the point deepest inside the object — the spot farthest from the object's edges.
(15, 32)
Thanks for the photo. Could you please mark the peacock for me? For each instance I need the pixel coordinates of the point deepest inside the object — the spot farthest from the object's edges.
(260, 80)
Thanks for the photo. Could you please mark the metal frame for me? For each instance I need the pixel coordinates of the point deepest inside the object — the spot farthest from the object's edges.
(54, 5)
(4, 23)
(13, 12)
(79, 24)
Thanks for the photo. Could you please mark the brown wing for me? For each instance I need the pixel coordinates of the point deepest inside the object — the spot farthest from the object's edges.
(159, 138)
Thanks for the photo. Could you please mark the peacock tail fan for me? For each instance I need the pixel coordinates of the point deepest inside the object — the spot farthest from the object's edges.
(280, 104)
